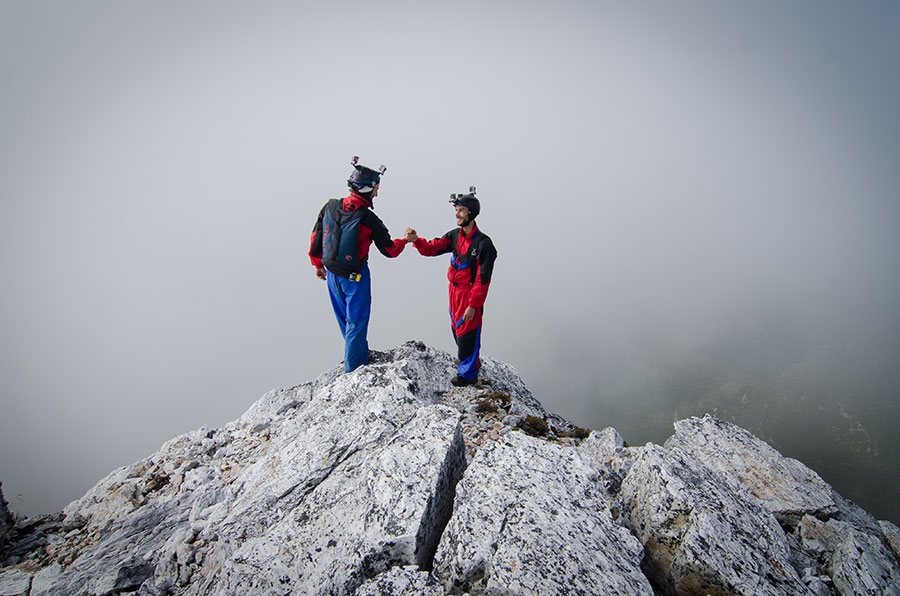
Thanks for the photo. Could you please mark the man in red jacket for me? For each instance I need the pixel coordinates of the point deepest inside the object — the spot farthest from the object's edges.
(471, 267)
(339, 250)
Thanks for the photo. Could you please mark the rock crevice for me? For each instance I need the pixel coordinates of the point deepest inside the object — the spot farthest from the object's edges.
(439, 508)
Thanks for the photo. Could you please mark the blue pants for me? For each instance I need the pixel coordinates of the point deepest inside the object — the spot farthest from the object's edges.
(352, 304)
(468, 349)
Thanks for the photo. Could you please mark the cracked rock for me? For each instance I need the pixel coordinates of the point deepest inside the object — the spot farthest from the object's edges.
(390, 481)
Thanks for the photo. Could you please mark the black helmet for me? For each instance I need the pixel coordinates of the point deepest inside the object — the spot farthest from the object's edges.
(364, 179)
(467, 200)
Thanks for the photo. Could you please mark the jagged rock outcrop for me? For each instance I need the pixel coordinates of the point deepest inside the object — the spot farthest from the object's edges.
(530, 518)
(6, 519)
(388, 480)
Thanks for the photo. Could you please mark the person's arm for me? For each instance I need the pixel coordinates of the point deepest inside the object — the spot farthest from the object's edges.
(485, 269)
(381, 238)
(315, 246)
(433, 248)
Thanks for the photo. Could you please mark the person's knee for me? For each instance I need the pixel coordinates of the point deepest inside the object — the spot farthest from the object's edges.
(357, 327)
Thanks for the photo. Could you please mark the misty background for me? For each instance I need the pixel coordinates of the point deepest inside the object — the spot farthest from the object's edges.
(694, 205)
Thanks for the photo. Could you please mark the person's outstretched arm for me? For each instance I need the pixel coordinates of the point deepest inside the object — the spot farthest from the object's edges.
(381, 238)
(433, 248)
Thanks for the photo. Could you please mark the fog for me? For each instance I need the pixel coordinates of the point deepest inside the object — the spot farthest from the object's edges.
(669, 185)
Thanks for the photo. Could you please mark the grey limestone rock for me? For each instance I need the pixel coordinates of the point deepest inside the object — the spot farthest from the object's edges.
(702, 534)
(6, 519)
(892, 536)
(15, 582)
(390, 481)
(782, 485)
(401, 581)
(863, 565)
(529, 518)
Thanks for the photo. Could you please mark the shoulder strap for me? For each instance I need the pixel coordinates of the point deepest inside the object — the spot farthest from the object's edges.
(340, 216)
(454, 240)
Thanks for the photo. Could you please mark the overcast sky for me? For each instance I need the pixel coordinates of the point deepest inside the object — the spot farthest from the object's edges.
(656, 176)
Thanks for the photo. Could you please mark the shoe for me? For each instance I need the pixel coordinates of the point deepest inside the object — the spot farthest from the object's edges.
(459, 381)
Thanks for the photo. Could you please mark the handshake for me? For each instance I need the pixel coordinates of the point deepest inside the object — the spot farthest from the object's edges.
(411, 235)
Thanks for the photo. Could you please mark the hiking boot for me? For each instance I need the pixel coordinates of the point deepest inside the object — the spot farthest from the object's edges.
(459, 381)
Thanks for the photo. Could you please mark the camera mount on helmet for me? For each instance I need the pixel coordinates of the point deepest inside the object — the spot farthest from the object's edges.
(468, 201)
(363, 178)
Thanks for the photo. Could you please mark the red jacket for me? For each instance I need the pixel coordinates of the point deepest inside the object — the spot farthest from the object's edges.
(371, 229)
(471, 265)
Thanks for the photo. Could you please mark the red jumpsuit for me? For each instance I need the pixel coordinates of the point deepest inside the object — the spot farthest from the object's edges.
(471, 267)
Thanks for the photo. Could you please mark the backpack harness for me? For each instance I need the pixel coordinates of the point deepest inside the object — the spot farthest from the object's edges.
(468, 260)
(340, 240)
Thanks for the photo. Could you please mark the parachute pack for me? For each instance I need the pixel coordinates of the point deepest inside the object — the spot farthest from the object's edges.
(340, 240)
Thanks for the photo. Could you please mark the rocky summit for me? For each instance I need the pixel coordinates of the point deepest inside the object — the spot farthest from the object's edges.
(389, 481)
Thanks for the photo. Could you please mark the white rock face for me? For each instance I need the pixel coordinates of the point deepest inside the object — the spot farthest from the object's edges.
(389, 481)
(702, 534)
(782, 485)
(530, 518)
(14, 582)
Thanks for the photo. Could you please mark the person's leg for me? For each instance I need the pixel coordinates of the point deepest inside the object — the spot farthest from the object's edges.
(468, 350)
(466, 334)
(338, 301)
(359, 308)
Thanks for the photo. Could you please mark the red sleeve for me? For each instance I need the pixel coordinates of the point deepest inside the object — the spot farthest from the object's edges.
(396, 248)
(432, 248)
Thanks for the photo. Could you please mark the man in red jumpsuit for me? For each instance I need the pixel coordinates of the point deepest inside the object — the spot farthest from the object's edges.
(471, 265)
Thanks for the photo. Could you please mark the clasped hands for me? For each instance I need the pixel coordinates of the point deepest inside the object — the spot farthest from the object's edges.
(410, 236)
